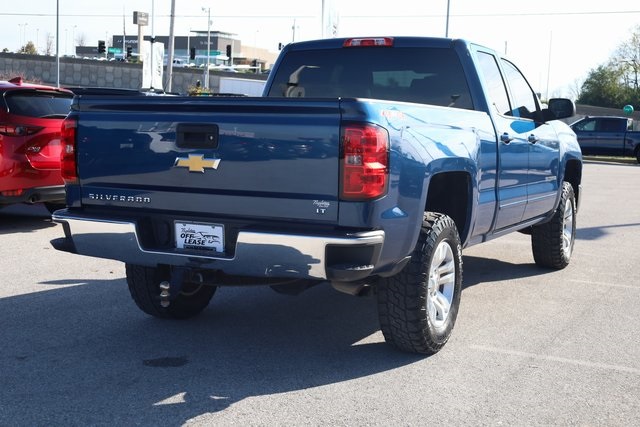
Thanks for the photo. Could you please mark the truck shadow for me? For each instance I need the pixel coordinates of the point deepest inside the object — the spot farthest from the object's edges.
(595, 233)
(479, 270)
(24, 218)
(86, 355)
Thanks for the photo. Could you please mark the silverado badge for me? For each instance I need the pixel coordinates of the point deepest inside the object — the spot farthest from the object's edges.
(196, 163)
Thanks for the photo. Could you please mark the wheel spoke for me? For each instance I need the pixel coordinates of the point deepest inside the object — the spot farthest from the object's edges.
(442, 305)
(446, 272)
(441, 284)
(439, 256)
(567, 232)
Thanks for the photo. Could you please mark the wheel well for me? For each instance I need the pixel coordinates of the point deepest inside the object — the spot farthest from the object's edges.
(573, 175)
(450, 193)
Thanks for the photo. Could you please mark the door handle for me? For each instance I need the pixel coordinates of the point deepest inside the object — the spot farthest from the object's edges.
(505, 138)
(196, 135)
(532, 139)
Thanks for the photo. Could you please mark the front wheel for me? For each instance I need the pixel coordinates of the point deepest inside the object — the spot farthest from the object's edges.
(418, 306)
(144, 286)
(552, 242)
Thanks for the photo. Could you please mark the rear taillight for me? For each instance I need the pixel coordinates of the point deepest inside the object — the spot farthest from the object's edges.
(364, 161)
(18, 130)
(68, 152)
(369, 42)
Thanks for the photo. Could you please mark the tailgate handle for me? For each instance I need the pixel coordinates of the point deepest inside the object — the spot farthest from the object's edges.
(193, 135)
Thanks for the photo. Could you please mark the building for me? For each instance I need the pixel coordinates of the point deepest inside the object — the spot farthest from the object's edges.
(193, 49)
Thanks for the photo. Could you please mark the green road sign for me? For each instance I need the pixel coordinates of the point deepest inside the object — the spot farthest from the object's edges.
(115, 50)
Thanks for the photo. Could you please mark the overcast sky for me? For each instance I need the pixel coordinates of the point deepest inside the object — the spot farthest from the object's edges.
(554, 42)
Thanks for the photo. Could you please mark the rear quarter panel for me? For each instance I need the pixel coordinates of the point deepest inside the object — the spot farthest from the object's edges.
(425, 141)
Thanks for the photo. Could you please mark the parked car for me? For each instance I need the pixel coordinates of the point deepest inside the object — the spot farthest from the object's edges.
(30, 119)
(608, 136)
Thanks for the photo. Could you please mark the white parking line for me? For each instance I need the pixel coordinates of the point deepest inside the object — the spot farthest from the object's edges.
(577, 362)
(612, 285)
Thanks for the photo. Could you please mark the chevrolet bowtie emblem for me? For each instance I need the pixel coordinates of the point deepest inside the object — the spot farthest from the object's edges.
(196, 163)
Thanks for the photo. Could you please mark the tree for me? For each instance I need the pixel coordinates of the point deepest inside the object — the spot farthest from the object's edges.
(616, 83)
(49, 45)
(29, 49)
(81, 39)
(576, 88)
(627, 58)
(602, 88)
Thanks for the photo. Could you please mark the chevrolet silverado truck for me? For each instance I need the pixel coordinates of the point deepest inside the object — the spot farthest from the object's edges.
(607, 136)
(368, 163)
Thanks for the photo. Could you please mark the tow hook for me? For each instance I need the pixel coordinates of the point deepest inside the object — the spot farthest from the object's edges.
(170, 289)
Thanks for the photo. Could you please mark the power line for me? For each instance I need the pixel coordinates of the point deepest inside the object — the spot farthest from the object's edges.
(453, 15)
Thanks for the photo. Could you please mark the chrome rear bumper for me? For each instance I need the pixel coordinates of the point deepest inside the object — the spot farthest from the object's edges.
(343, 257)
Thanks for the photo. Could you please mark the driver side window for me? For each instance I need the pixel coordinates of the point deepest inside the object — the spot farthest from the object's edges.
(523, 99)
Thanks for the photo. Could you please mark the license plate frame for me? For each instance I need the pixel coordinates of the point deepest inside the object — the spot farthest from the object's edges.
(199, 236)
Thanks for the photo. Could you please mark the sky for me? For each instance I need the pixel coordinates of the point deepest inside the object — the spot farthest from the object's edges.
(555, 43)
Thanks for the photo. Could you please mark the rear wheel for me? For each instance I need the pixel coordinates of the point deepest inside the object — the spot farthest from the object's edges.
(144, 286)
(552, 242)
(418, 306)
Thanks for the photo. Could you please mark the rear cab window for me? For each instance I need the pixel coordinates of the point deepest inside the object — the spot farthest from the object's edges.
(38, 103)
(410, 74)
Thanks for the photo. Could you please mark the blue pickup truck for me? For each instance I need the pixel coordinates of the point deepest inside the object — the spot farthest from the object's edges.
(368, 164)
(607, 136)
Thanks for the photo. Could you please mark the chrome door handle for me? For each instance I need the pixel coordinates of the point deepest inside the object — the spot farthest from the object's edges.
(505, 138)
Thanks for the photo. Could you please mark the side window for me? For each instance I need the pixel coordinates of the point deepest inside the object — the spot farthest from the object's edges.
(611, 125)
(587, 125)
(495, 85)
(523, 100)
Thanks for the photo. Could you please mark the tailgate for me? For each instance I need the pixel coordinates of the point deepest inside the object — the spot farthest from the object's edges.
(241, 157)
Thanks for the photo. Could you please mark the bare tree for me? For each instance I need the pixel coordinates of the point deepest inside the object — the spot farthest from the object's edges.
(48, 50)
(81, 39)
(575, 89)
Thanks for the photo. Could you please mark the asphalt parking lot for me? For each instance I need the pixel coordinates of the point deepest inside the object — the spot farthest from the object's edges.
(531, 346)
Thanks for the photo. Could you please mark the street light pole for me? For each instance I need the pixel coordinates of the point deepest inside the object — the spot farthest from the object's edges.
(446, 31)
(73, 40)
(206, 74)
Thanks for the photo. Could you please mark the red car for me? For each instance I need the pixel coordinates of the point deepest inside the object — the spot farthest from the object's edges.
(30, 119)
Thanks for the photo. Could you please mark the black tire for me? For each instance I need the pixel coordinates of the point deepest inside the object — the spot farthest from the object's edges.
(416, 316)
(144, 286)
(552, 242)
(638, 154)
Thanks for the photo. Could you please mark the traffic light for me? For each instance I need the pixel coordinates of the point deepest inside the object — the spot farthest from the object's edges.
(192, 53)
(129, 51)
(229, 51)
(101, 46)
